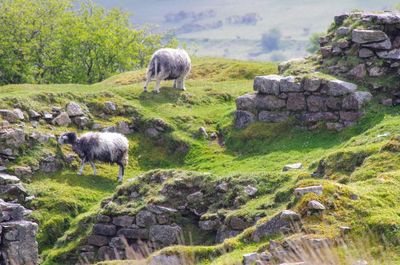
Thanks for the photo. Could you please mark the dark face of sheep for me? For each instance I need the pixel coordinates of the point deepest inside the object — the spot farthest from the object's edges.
(68, 138)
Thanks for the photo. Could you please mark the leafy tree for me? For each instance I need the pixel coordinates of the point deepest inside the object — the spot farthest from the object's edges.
(314, 42)
(64, 41)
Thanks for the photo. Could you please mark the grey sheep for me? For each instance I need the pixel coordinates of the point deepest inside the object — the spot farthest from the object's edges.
(168, 64)
(99, 146)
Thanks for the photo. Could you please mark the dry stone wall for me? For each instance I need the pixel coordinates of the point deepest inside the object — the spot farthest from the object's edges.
(310, 100)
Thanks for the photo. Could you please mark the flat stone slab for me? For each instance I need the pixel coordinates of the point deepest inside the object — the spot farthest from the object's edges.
(8, 179)
(293, 167)
(299, 192)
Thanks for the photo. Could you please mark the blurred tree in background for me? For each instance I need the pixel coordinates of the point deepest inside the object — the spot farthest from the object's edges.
(66, 41)
(314, 42)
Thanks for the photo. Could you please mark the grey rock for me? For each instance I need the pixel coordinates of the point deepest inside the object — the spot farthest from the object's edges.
(50, 164)
(34, 115)
(289, 84)
(365, 53)
(238, 223)
(250, 190)
(165, 234)
(145, 219)
(376, 71)
(118, 243)
(339, 19)
(110, 107)
(23, 249)
(387, 102)
(316, 104)
(343, 31)
(6, 179)
(359, 72)
(47, 116)
(203, 132)
(152, 133)
(333, 103)
(104, 229)
(250, 259)
(13, 138)
(9, 116)
(74, 109)
(82, 122)
(273, 226)
(11, 212)
(123, 221)
(362, 36)
(289, 216)
(294, 166)
(19, 114)
(312, 84)
(104, 219)
(274, 117)
(384, 45)
(225, 233)
(393, 54)
(243, 119)
(267, 84)
(210, 225)
(296, 102)
(134, 233)
(315, 205)
(222, 187)
(196, 197)
(340, 88)
(106, 253)
(13, 192)
(318, 116)
(350, 115)
(299, 192)
(157, 209)
(356, 100)
(23, 171)
(246, 102)
(269, 103)
(326, 51)
(123, 128)
(62, 120)
(97, 240)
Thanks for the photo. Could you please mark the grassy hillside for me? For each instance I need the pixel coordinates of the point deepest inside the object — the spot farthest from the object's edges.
(361, 160)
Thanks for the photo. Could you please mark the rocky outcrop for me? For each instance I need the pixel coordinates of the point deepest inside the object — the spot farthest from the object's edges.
(372, 44)
(310, 101)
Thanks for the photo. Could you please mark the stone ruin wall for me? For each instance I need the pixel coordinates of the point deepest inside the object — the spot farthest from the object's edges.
(312, 101)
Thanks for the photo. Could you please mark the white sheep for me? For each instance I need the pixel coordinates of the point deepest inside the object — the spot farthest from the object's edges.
(99, 146)
(168, 64)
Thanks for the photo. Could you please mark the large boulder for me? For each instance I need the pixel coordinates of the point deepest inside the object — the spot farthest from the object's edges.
(340, 88)
(243, 119)
(62, 119)
(267, 84)
(19, 246)
(166, 235)
(74, 110)
(10, 115)
(362, 36)
(356, 100)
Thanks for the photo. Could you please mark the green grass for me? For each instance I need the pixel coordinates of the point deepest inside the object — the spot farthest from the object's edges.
(356, 162)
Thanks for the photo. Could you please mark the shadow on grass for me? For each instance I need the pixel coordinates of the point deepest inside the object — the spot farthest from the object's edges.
(167, 95)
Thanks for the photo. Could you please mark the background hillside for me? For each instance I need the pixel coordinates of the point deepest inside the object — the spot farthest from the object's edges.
(234, 29)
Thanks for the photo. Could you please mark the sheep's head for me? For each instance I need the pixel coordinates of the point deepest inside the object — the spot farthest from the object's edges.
(68, 138)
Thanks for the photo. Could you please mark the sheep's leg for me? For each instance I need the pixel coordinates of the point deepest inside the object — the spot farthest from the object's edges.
(82, 167)
(121, 172)
(175, 84)
(94, 168)
(158, 84)
(148, 80)
(181, 83)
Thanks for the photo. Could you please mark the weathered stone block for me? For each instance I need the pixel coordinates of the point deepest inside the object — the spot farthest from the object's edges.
(340, 88)
(296, 102)
(356, 100)
(268, 116)
(316, 104)
(246, 102)
(243, 119)
(104, 229)
(289, 84)
(362, 36)
(269, 85)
